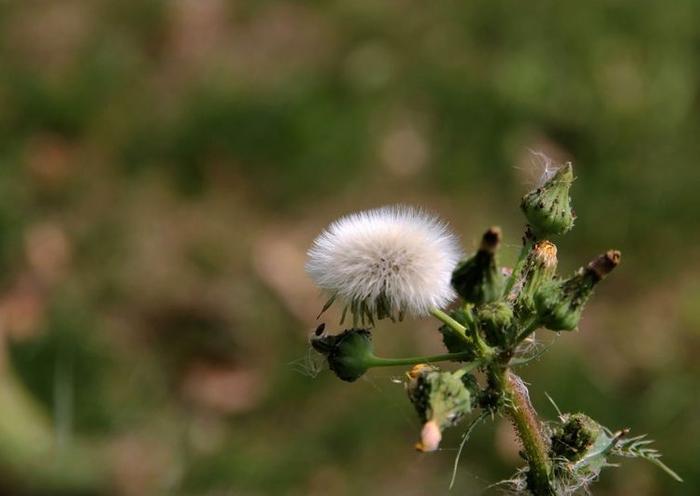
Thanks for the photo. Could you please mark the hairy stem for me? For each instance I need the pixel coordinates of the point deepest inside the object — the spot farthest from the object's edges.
(530, 433)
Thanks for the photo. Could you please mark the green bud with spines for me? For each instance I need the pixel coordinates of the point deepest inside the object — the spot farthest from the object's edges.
(348, 353)
(548, 208)
(579, 448)
(477, 279)
(574, 436)
(559, 304)
(440, 395)
(496, 321)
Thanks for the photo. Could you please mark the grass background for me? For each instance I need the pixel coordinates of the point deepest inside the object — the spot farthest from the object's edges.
(165, 164)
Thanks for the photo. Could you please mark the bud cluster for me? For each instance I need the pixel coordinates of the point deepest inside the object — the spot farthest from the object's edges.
(489, 330)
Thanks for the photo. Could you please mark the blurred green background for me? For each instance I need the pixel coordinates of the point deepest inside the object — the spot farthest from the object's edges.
(164, 165)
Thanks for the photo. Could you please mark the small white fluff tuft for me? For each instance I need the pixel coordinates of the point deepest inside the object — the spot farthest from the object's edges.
(544, 165)
(386, 262)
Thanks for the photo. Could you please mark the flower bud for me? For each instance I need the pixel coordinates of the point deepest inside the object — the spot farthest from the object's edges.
(430, 437)
(540, 267)
(575, 436)
(441, 400)
(548, 208)
(477, 279)
(495, 320)
(348, 353)
(559, 304)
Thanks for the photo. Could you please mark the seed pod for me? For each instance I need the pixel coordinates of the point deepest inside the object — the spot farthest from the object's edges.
(477, 279)
(559, 304)
(548, 208)
(348, 353)
(495, 320)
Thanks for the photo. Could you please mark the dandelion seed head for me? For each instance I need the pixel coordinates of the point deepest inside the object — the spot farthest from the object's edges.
(386, 262)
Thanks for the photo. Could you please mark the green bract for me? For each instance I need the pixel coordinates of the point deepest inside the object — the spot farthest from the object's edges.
(539, 269)
(560, 304)
(349, 353)
(574, 436)
(443, 397)
(548, 208)
(496, 321)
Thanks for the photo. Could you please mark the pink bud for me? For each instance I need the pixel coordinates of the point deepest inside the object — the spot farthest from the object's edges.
(430, 437)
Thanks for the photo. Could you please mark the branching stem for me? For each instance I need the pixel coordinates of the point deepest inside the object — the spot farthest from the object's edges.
(484, 350)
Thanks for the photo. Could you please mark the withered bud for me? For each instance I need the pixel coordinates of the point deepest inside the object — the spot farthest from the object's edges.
(604, 264)
(477, 279)
(491, 240)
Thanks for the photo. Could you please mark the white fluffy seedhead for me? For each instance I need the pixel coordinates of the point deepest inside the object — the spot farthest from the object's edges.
(386, 262)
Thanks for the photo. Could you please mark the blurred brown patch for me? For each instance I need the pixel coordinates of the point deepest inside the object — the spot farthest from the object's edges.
(281, 38)
(21, 310)
(222, 389)
(48, 251)
(404, 150)
(141, 465)
(49, 34)
(507, 443)
(50, 160)
(278, 259)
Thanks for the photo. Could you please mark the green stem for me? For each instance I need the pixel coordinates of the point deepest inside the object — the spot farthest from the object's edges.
(451, 323)
(376, 361)
(531, 327)
(518, 268)
(484, 350)
(530, 432)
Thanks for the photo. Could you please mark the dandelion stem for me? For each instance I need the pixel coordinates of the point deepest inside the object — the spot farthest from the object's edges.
(376, 361)
(451, 323)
